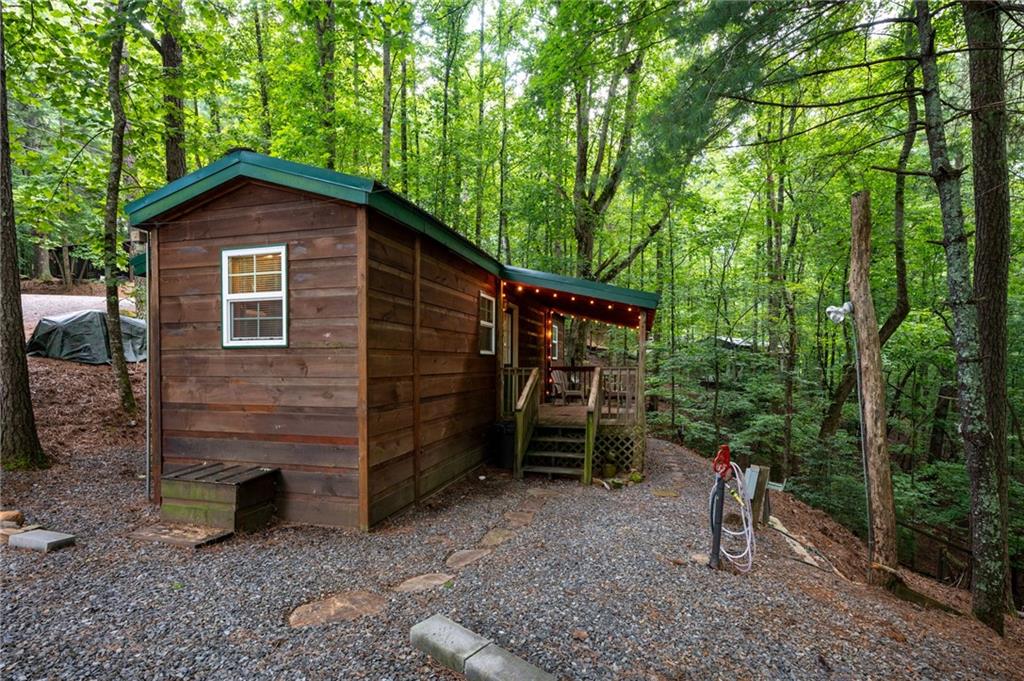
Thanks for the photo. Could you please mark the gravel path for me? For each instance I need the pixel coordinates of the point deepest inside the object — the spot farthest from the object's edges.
(601, 585)
(36, 306)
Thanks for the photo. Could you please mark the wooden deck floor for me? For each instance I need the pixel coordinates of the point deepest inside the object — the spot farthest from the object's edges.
(563, 415)
(576, 415)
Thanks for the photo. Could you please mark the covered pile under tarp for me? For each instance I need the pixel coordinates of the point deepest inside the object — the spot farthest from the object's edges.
(82, 337)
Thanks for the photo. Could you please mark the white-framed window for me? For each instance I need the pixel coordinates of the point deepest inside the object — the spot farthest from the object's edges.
(486, 324)
(254, 296)
(554, 340)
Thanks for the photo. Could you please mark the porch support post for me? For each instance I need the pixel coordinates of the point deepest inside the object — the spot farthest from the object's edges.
(641, 364)
(417, 379)
(499, 346)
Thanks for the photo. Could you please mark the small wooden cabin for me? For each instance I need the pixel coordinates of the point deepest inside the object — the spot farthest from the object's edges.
(321, 324)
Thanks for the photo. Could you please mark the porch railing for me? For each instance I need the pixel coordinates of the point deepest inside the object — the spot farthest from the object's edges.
(526, 412)
(620, 388)
(571, 382)
(594, 404)
(512, 381)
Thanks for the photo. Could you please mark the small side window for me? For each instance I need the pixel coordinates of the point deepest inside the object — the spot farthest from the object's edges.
(554, 340)
(486, 342)
(254, 296)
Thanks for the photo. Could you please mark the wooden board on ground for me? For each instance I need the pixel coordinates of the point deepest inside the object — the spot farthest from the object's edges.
(193, 536)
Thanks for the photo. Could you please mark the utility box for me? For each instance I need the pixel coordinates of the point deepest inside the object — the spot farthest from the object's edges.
(238, 498)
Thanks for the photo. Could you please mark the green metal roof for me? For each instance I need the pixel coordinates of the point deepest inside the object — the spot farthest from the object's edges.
(363, 191)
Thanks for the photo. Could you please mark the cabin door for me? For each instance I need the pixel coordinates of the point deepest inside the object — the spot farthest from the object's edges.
(510, 337)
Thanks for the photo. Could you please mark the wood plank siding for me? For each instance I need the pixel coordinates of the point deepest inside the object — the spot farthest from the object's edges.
(532, 317)
(430, 393)
(295, 407)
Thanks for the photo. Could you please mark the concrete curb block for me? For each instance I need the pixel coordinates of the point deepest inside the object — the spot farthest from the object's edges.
(468, 653)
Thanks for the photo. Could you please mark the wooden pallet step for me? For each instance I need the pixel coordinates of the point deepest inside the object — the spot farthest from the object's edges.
(553, 470)
(557, 455)
(569, 439)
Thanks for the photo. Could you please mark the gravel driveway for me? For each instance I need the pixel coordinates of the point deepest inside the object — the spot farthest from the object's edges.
(36, 306)
(601, 585)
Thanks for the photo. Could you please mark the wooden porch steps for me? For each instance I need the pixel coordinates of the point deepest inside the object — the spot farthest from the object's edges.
(562, 439)
(553, 470)
(556, 450)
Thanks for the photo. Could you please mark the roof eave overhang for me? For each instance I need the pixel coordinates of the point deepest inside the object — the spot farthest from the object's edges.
(581, 287)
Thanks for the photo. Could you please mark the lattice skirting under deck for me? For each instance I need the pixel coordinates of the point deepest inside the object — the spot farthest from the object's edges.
(625, 446)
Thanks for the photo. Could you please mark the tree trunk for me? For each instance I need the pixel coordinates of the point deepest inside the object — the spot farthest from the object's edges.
(478, 223)
(386, 110)
(111, 241)
(65, 259)
(173, 16)
(834, 412)
(42, 253)
(937, 440)
(503, 146)
(992, 227)
(264, 81)
(404, 129)
(19, 443)
(325, 44)
(790, 460)
(881, 510)
(988, 571)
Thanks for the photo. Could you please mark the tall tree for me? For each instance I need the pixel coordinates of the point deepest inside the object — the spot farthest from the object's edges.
(386, 106)
(170, 17)
(325, 29)
(111, 238)
(481, 96)
(988, 569)
(263, 78)
(982, 20)
(19, 443)
(882, 511)
(834, 411)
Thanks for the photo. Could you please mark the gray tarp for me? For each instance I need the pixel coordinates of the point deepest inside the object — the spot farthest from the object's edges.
(82, 337)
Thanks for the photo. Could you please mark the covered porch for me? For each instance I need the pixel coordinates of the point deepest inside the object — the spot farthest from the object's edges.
(570, 418)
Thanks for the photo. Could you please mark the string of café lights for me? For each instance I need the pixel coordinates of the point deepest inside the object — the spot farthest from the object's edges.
(572, 298)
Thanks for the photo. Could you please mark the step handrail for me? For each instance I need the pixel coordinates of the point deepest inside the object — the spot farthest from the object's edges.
(527, 410)
(593, 420)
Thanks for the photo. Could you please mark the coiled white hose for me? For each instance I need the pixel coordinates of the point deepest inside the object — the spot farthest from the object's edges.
(744, 560)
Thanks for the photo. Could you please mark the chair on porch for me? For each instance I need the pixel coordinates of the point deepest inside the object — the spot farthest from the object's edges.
(616, 392)
(564, 390)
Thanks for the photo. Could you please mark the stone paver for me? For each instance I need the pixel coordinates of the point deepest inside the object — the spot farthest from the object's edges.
(665, 493)
(424, 582)
(531, 505)
(519, 518)
(344, 607)
(461, 559)
(497, 536)
(41, 540)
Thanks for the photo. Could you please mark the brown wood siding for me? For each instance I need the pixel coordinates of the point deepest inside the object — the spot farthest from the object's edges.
(532, 343)
(293, 408)
(430, 392)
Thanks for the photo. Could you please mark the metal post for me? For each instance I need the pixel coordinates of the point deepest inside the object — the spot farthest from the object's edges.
(717, 508)
(864, 452)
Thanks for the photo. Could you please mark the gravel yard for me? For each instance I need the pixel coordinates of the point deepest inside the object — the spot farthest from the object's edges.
(600, 585)
(35, 306)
